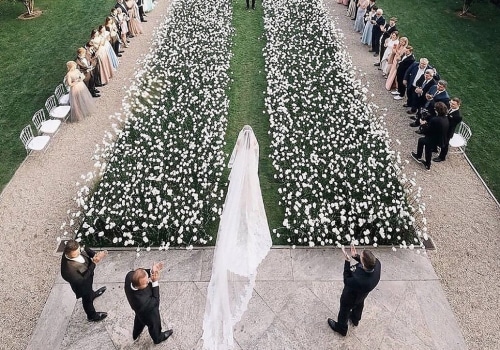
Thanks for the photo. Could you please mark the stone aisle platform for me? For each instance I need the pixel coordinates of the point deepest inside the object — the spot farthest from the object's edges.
(296, 291)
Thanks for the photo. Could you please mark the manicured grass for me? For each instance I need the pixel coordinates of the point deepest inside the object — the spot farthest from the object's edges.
(465, 52)
(34, 55)
(246, 97)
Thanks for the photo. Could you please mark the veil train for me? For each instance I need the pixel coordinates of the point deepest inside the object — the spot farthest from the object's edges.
(243, 241)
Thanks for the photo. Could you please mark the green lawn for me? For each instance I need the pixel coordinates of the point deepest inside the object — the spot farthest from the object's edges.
(34, 55)
(465, 52)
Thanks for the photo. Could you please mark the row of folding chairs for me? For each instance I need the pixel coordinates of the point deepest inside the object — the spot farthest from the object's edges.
(46, 125)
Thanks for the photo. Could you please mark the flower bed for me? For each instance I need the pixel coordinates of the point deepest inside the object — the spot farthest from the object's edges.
(160, 176)
(340, 181)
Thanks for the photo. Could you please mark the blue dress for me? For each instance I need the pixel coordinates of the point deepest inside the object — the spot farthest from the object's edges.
(367, 34)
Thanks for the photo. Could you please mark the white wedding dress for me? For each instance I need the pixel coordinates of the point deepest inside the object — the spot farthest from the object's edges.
(243, 241)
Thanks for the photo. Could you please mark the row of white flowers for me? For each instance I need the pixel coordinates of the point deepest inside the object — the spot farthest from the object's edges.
(340, 181)
(159, 177)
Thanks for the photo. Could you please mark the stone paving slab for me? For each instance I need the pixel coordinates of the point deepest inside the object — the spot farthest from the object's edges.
(296, 291)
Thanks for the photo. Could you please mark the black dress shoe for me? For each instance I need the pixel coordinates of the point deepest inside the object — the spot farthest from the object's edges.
(143, 20)
(437, 160)
(414, 124)
(96, 95)
(96, 91)
(413, 117)
(99, 316)
(165, 335)
(419, 132)
(121, 51)
(376, 64)
(411, 111)
(333, 325)
(119, 55)
(100, 291)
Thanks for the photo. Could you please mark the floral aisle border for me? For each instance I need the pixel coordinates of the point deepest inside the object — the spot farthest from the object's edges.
(340, 181)
(158, 179)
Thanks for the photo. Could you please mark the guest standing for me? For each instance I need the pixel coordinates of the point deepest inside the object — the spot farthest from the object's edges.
(143, 295)
(80, 99)
(357, 286)
(77, 268)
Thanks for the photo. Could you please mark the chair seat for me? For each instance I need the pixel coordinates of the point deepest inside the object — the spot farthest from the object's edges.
(457, 141)
(64, 100)
(38, 143)
(50, 126)
(60, 112)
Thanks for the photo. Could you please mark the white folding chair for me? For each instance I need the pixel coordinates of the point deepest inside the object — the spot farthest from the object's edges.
(61, 95)
(33, 143)
(460, 138)
(44, 125)
(55, 111)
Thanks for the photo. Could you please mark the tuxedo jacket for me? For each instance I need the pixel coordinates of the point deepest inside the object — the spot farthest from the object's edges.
(454, 118)
(404, 64)
(358, 283)
(439, 96)
(80, 276)
(412, 71)
(437, 132)
(145, 302)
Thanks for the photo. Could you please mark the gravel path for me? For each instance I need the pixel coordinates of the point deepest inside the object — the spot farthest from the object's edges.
(463, 219)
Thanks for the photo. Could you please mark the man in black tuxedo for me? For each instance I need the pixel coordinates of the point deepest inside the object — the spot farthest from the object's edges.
(357, 285)
(406, 61)
(435, 135)
(378, 22)
(77, 268)
(143, 295)
(419, 99)
(454, 118)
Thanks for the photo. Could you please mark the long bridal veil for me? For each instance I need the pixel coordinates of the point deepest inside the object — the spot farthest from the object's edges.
(243, 241)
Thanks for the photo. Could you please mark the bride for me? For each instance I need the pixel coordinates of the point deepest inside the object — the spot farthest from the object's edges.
(243, 241)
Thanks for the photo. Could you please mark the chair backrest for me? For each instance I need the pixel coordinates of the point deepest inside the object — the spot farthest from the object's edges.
(50, 103)
(38, 119)
(464, 130)
(59, 91)
(26, 136)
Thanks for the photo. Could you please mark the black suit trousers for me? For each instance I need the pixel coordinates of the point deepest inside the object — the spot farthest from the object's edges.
(355, 310)
(88, 304)
(153, 322)
(425, 142)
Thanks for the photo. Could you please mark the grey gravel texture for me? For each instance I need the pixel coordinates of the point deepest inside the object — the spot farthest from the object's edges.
(463, 220)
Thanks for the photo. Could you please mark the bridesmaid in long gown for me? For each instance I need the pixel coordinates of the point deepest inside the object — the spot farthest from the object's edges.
(103, 60)
(399, 52)
(367, 32)
(106, 41)
(390, 44)
(80, 99)
(135, 27)
(359, 25)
